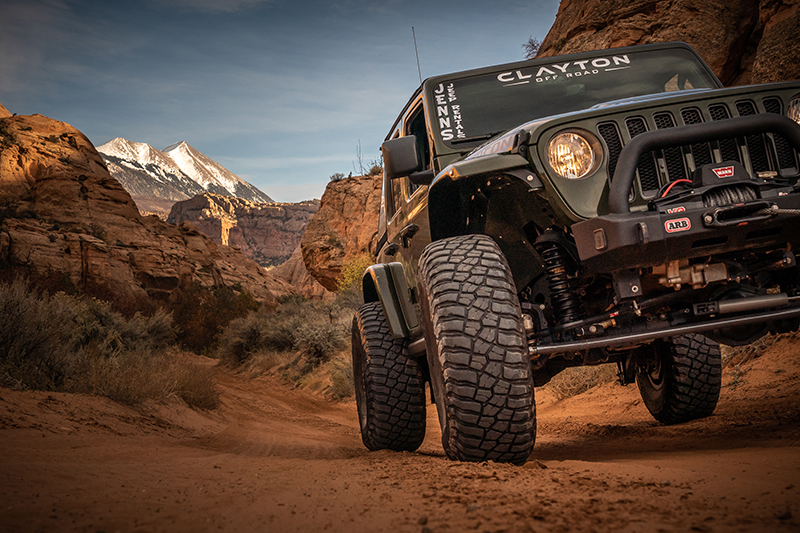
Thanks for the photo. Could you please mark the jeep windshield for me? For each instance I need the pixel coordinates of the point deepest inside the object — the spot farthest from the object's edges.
(469, 110)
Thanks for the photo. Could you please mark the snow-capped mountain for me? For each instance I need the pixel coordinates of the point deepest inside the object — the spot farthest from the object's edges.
(177, 172)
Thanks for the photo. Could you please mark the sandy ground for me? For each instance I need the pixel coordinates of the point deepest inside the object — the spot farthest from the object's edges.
(275, 459)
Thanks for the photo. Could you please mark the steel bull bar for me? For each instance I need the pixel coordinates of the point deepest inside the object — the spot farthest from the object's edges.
(623, 239)
(696, 133)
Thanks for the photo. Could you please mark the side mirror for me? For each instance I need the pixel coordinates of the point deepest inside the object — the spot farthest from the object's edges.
(401, 157)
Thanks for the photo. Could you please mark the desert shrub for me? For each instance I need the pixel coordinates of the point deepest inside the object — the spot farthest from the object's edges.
(310, 329)
(33, 341)
(577, 380)
(65, 343)
(341, 372)
(201, 314)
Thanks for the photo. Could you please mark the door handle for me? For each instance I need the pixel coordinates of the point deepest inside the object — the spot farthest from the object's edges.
(407, 233)
(391, 248)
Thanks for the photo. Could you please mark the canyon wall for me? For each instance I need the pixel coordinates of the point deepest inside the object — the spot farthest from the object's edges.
(743, 41)
(268, 233)
(61, 213)
(344, 227)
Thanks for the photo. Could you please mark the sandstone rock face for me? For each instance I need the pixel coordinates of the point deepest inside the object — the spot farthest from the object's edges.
(295, 273)
(63, 213)
(743, 41)
(265, 232)
(4, 112)
(345, 226)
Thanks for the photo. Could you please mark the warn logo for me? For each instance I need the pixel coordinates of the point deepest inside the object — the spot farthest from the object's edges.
(723, 172)
(678, 224)
(678, 209)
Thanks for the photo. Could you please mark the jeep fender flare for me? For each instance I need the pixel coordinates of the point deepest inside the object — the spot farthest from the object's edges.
(455, 204)
(386, 283)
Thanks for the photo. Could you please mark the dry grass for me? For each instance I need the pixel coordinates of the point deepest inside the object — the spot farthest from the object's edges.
(305, 342)
(64, 343)
(577, 380)
(131, 378)
(738, 355)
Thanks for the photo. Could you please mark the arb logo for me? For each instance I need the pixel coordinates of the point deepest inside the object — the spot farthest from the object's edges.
(723, 172)
(679, 224)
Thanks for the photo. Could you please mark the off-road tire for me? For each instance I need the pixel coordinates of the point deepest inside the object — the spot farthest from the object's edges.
(477, 351)
(680, 378)
(389, 385)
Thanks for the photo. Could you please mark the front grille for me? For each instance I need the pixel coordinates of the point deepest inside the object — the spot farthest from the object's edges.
(786, 156)
(758, 153)
(754, 143)
(648, 175)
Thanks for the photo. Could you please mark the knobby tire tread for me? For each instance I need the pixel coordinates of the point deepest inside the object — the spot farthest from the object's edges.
(477, 351)
(692, 386)
(389, 385)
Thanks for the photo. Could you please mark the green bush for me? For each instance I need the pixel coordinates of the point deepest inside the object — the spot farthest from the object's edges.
(352, 273)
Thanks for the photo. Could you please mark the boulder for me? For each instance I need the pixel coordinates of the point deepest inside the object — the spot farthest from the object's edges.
(344, 227)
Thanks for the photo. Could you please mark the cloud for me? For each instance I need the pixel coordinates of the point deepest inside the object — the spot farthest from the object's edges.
(25, 27)
(211, 6)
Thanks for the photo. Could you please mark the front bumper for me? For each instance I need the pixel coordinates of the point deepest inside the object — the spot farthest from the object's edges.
(623, 240)
(643, 239)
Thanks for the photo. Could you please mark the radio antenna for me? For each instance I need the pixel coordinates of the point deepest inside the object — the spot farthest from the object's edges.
(417, 53)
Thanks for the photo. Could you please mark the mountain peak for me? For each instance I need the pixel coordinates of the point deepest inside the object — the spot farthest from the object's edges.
(179, 166)
(175, 146)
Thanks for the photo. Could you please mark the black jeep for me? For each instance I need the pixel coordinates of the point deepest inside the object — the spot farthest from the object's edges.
(617, 206)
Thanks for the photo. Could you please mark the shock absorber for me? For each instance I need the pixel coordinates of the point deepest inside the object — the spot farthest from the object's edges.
(566, 306)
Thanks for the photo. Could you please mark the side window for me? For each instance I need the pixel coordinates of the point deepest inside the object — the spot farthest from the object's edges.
(397, 190)
(397, 193)
(415, 125)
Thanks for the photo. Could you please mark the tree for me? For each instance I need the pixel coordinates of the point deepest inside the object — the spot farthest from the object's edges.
(358, 166)
(531, 47)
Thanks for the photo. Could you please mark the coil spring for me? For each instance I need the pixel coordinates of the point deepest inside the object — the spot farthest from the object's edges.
(566, 305)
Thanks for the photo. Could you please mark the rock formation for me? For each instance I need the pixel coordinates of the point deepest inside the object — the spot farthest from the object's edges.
(61, 212)
(265, 232)
(345, 226)
(295, 273)
(743, 41)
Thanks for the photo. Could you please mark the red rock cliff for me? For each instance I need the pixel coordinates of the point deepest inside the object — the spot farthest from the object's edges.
(743, 41)
(268, 233)
(62, 212)
(345, 226)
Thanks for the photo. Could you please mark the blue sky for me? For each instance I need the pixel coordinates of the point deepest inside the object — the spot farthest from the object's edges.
(280, 92)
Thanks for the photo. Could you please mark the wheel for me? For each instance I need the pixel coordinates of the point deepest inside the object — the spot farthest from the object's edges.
(390, 393)
(680, 378)
(478, 359)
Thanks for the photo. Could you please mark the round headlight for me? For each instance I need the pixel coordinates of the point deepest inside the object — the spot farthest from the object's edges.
(793, 111)
(573, 155)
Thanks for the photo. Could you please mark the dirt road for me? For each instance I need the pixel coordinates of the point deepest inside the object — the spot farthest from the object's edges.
(274, 459)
